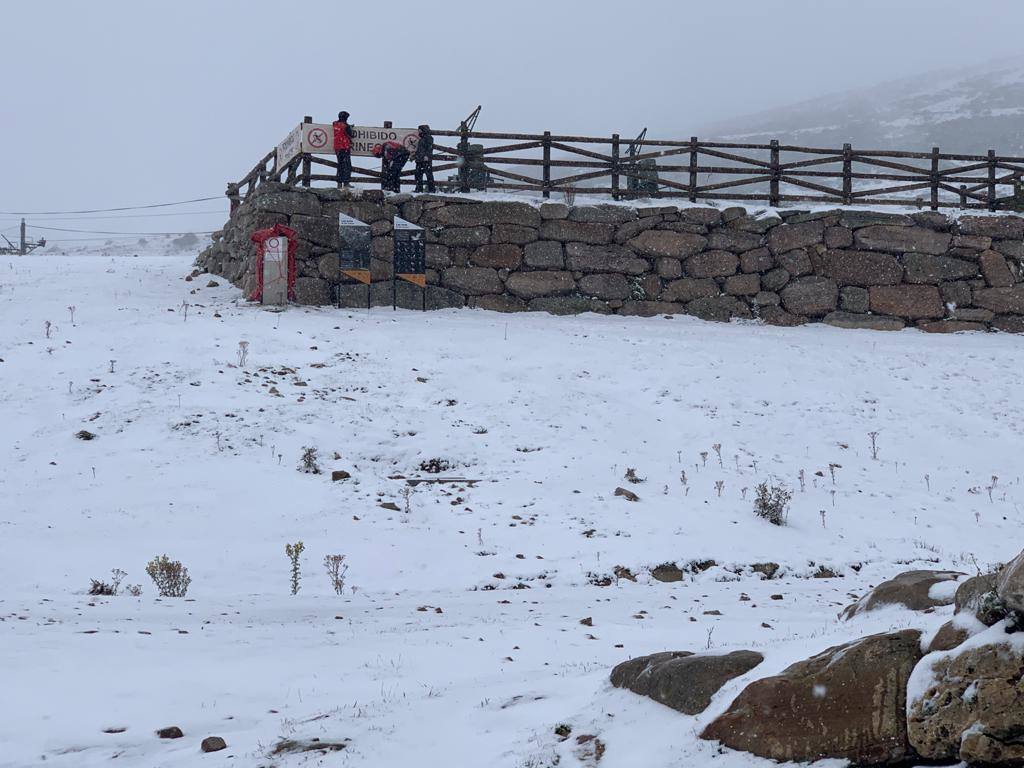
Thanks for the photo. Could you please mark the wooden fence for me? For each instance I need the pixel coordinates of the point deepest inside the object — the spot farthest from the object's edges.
(696, 170)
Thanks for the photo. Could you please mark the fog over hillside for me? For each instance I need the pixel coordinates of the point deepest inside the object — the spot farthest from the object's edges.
(963, 110)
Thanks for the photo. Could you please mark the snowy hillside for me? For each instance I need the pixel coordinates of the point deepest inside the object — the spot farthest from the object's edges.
(458, 638)
(965, 110)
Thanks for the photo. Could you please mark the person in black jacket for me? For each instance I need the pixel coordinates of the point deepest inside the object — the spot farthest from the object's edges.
(394, 157)
(424, 159)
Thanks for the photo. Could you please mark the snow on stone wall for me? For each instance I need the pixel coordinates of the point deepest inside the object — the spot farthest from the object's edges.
(850, 268)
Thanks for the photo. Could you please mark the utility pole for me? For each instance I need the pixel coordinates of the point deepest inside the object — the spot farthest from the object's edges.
(23, 248)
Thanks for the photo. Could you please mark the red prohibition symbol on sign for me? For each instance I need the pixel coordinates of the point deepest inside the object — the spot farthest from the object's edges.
(317, 138)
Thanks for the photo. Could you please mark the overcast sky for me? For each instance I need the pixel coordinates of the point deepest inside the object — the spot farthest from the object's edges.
(125, 102)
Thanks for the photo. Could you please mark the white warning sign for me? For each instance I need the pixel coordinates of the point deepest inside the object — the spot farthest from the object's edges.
(318, 139)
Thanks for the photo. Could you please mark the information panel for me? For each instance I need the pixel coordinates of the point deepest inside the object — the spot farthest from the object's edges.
(354, 250)
(410, 253)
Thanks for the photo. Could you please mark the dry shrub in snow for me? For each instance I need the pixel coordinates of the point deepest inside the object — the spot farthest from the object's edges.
(294, 552)
(97, 587)
(772, 503)
(170, 576)
(310, 461)
(336, 569)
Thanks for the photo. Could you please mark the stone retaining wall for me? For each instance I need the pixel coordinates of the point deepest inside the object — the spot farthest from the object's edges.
(849, 268)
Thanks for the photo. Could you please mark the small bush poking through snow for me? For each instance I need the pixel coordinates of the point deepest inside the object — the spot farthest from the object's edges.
(98, 587)
(336, 570)
(772, 503)
(294, 552)
(435, 466)
(170, 576)
(310, 461)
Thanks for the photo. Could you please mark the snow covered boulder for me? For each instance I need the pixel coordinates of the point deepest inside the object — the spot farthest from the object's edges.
(682, 680)
(1010, 584)
(968, 703)
(916, 590)
(848, 702)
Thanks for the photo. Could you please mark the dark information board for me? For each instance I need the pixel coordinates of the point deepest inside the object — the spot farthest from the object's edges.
(410, 253)
(354, 248)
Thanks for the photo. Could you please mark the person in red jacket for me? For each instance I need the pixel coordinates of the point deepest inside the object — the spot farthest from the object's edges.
(343, 149)
(395, 157)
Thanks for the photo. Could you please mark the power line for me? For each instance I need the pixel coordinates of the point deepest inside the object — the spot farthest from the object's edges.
(137, 216)
(88, 239)
(108, 210)
(108, 232)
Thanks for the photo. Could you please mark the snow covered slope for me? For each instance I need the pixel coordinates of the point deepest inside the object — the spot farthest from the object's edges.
(965, 110)
(457, 640)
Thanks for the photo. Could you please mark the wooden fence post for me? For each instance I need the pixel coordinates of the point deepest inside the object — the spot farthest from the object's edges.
(773, 188)
(463, 153)
(963, 196)
(615, 166)
(547, 163)
(935, 179)
(306, 165)
(991, 179)
(693, 169)
(847, 174)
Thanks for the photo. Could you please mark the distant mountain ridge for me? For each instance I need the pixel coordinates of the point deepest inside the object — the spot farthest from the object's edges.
(966, 111)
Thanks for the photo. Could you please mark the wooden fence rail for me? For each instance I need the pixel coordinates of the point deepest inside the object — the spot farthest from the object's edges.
(772, 173)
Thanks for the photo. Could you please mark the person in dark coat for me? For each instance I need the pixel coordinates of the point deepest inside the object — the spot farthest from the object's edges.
(395, 156)
(343, 149)
(424, 160)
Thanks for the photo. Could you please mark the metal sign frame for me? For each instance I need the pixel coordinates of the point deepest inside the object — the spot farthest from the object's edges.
(354, 249)
(409, 261)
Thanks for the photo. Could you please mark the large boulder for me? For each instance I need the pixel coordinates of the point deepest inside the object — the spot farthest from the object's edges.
(663, 243)
(687, 289)
(313, 291)
(581, 257)
(530, 285)
(813, 296)
(712, 264)
(994, 268)
(914, 590)
(967, 703)
(472, 281)
(602, 214)
(855, 321)
(488, 213)
(545, 254)
(910, 301)
(787, 237)
(1010, 584)
(498, 256)
(922, 268)
(567, 231)
(1003, 227)
(1008, 300)
(607, 287)
(734, 240)
(682, 680)
(862, 268)
(848, 703)
(896, 239)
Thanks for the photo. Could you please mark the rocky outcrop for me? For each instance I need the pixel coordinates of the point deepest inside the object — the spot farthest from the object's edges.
(848, 703)
(969, 703)
(847, 268)
(684, 681)
(911, 589)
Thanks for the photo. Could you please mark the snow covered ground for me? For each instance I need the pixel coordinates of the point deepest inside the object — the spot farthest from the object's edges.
(457, 640)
